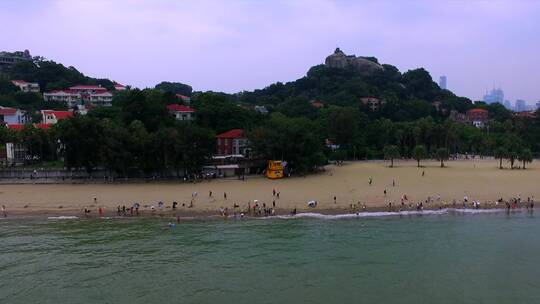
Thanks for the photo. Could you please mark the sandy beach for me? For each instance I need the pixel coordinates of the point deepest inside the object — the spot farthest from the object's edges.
(478, 179)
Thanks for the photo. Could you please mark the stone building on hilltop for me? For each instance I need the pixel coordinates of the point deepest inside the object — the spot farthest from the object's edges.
(361, 64)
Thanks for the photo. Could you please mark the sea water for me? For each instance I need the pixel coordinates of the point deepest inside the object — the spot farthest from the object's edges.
(444, 257)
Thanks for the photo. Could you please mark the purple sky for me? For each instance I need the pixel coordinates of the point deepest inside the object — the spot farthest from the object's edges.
(242, 45)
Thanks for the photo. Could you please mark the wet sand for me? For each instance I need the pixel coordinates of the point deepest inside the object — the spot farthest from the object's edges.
(478, 179)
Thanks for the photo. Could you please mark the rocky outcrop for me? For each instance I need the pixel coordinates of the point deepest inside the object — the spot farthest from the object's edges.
(360, 64)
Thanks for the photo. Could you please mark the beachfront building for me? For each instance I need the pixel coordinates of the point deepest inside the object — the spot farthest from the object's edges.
(232, 142)
(232, 155)
(477, 117)
(13, 154)
(26, 86)
(373, 103)
(17, 153)
(180, 112)
(12, 116)
(49, 117)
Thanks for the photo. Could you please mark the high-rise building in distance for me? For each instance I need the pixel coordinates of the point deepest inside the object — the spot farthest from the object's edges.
(521, 105)
(495, 96)
(442, 82)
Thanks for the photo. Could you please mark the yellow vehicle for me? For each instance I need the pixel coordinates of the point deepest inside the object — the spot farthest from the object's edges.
(275, 169)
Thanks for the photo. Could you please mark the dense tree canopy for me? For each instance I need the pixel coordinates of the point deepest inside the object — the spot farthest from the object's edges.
(416, 119)
(175, 87)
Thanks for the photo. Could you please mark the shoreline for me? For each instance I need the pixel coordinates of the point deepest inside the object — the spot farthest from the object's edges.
(184, 215)
(340, 190)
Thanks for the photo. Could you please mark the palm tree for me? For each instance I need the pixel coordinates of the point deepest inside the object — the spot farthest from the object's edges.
(525, 157)
(441, 155)
(391, 152)
(500, 153)
(419, 153)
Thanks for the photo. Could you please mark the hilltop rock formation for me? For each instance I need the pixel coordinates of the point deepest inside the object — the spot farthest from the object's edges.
(360, 64)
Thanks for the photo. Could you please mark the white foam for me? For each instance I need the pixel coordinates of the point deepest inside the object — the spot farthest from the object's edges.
(63, 217)
(388, 214)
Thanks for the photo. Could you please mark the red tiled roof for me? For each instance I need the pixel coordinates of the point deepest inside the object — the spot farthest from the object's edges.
(118, 85)
(7, 111)
(19, 127)
(19, 82)
(87, 87)
(179, 108)
(526, 114)
(477, 111)
(182, 96)
(101, 93)
(16, 127)
(234, 133)
(43, 126)
(62, 91)
(59, 114)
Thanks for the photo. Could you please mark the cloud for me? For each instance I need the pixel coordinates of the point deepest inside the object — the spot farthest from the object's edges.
(237, 45)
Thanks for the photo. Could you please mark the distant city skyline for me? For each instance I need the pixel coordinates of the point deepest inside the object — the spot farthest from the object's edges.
(232, 45)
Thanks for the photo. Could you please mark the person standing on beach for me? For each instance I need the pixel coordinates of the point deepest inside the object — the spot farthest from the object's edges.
(384, 192)
(393, 182)
(277, 195)
(224, 195)
(370, 181)
(273, 192)
(423, 173)
(4, 212)
(335, 199)
(210, 193)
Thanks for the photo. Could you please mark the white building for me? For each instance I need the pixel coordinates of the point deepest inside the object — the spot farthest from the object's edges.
(12, 116)
(67, 97)
(26, 86)
(181, 112)
(521, 105)
(81, 94)
(119, 87)
(87, 89)
(103, 99)
(52, 117)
